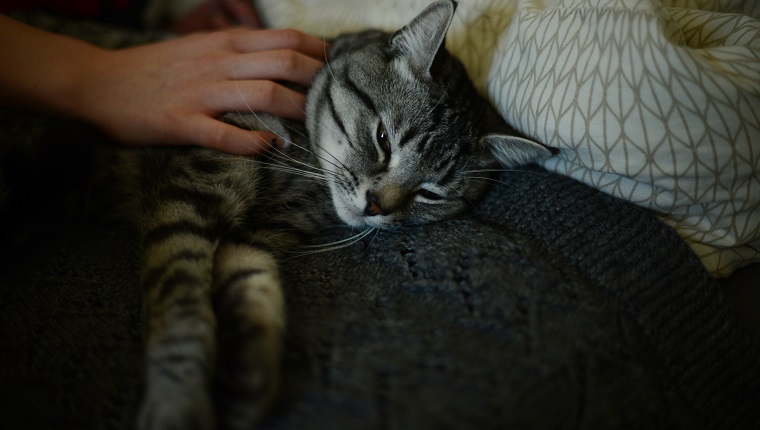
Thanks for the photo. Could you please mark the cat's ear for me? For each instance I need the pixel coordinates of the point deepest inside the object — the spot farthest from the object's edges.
(419, 41)
(513, 151)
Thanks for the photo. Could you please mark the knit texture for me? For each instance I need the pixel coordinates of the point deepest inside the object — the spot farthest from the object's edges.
(550, 305)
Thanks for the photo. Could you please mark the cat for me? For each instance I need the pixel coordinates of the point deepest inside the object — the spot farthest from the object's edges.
(396, 133)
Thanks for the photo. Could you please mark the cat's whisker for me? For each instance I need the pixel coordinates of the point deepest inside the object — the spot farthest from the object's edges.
(330, 154)
(284, 155)
(324, 176)
(317, 145)
(462, 195)
(289, 164)
(488, 180)
(300, 109)
(316, 177)
(332, 246)
(332, 74)
(319, 156)
(252, 112)
(440, 100)
(327, 63)
(294, 170)
(279, 153)
(377, 232)
(350, 239)
(294, 130)
(339, 164)
(504, 170)
(295, 145)
(292, 163)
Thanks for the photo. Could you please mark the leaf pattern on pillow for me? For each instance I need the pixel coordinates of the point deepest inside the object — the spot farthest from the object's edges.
(658, 106)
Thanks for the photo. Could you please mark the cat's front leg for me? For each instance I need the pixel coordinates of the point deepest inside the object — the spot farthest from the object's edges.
(181, 328)
(250, 309)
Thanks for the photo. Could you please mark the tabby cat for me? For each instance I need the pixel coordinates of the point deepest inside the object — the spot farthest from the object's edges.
(395, 132)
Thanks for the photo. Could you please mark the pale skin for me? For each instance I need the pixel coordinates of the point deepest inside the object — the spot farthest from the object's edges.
(168, 93)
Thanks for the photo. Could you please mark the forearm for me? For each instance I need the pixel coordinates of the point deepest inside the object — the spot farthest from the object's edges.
(44, 72)
(169, 92)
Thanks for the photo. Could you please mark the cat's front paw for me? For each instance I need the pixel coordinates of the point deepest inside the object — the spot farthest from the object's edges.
(174, 409)
(247, 391)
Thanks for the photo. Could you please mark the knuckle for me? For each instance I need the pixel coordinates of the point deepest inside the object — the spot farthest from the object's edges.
(292, 38)
(287, 60)
(230, 39)
(216, 137)
(237, 39)
(266, 93)
(221, 38)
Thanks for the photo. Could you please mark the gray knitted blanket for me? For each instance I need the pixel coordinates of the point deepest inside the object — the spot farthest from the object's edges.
(550, 305)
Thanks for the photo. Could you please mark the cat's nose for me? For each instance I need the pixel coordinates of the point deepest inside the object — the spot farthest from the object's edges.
(373, 205)
(384, 200)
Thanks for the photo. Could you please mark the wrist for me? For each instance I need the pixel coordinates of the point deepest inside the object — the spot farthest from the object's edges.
(76, 87)
(82, 95)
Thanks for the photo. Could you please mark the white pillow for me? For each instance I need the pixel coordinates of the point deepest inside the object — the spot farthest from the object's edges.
(655, 102)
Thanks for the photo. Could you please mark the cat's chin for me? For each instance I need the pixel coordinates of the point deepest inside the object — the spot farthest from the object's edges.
(358, 220)
(351, 219)
(361, 221)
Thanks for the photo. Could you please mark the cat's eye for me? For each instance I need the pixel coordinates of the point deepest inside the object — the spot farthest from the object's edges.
(383, 140)
(429, 195)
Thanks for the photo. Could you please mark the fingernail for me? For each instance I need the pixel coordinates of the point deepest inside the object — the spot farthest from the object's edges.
(279, 143)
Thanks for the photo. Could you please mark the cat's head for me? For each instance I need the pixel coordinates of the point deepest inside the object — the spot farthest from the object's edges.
(401, 130)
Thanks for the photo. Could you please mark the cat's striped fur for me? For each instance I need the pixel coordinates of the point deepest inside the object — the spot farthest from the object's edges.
(213, 228)
(395, 131)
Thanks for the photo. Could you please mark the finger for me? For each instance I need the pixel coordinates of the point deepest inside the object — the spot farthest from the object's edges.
(228, 138)
(242, 12)
(256, 96)
(280, 65)
(265, 40)
(245, 142)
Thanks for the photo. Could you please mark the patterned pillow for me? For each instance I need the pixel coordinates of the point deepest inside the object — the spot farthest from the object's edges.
(655, 102)
(656, 105)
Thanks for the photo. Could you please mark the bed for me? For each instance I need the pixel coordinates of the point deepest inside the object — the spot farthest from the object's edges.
(553, 304)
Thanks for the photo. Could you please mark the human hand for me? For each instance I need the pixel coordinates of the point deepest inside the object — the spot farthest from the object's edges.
(217, 15)
(172, 92)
